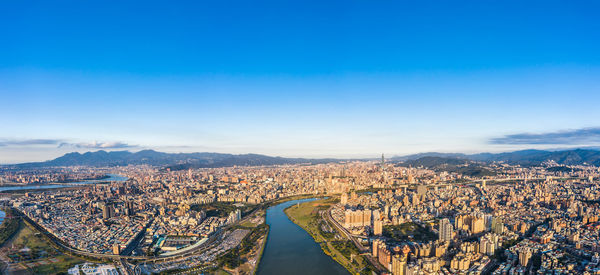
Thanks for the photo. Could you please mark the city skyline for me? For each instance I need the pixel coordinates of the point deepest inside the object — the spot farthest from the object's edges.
(332, 80)
(300, 137)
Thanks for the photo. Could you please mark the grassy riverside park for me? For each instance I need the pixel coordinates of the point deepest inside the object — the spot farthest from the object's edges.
(307, 216)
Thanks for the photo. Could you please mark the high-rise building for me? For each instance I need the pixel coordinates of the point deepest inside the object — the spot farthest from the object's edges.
(477, 225)
(383, 175)
(488, 244)
(399, 264)
(366, 217)
(108, 211)
(357, 218)
(446, 230)
(238, 214)
(116, 249)
(344, 198)
(497, 225)
(384, 256)
(375, 248)
(524, 256)
(421, 191)
(459, 221)
(234, 216)
(377, 227)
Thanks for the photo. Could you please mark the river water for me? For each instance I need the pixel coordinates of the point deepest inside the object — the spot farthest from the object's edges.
(290, 250)
(112, 177)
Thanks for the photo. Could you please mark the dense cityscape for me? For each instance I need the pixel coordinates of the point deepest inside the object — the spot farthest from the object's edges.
(300, 137)
(382, 217)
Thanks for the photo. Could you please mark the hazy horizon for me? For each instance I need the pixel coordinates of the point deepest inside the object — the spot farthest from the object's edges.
(374, 156)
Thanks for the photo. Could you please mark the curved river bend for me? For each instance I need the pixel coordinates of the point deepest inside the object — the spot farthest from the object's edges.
(290, 250)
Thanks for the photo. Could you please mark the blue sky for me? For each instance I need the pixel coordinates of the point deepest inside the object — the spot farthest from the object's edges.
(322, 78)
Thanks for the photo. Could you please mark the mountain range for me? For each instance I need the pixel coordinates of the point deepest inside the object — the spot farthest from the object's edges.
(523, 157)
(178, 161)
(450, 164)
(174, 161)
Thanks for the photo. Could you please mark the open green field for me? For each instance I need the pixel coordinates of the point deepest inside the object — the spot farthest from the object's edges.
(307, 216)
(50, 260)
(222, 209)
(409, 231)
(9, 226)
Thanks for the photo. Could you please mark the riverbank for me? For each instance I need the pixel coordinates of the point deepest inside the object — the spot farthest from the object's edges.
(261, 251)
(308, 216)
(63, 185)
(291, 250)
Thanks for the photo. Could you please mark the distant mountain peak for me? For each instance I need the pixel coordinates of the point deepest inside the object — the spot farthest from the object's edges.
(174, 161)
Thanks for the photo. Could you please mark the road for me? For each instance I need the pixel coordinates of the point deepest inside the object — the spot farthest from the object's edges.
(326, 216)
(58, 242)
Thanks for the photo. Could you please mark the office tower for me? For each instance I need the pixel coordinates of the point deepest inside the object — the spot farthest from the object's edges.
(446, 230)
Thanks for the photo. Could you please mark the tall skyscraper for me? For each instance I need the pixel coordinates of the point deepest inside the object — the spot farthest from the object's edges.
(446, 230)
(383, 177)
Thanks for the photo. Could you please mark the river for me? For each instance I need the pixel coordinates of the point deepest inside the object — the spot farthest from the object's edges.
(290, 250)
(111, 177)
